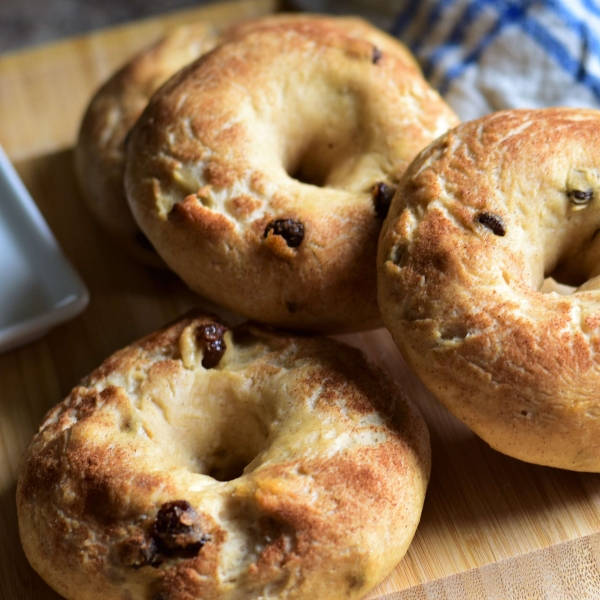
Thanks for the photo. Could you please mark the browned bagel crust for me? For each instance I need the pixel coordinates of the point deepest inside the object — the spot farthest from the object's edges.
(100, 148)
(115, 107)
(116, 499)
(481, 217)
(209, 162)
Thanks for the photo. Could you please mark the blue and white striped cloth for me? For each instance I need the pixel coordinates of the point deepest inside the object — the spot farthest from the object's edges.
(488, 55)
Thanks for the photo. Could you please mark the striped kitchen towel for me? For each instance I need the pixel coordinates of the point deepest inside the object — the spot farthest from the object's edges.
(488, 55)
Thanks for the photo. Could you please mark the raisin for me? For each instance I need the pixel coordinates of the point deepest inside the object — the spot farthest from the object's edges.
(382, 194)
(376, 56)
(493, 222)
(174, 531)
(211, 334)
(290, 230)
(580, 196)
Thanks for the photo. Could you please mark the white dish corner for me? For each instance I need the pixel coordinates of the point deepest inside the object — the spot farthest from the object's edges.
(39, 288)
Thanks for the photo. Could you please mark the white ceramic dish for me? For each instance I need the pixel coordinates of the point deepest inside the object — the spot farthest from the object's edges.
(38, 286)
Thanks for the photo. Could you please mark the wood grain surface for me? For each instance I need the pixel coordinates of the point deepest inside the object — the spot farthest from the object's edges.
(492, 527)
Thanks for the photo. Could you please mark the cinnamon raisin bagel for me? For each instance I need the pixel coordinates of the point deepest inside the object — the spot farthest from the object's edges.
(206, 463)
(261, 172)
(100, 148)
(480, 219)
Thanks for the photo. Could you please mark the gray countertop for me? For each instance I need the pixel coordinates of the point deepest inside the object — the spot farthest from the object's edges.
(25, 23)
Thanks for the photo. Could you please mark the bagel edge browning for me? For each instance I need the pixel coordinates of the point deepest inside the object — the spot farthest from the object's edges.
(481, 217)
(114, 499)
(100, 149)
(212, 163)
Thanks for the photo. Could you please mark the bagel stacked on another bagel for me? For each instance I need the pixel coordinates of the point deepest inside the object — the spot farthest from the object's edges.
(100, 148)
(261, 172)
(202, 462)
(480, 218)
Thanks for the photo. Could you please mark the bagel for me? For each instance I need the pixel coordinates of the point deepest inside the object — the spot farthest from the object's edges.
(481, 217)
(261, 172)
(100, 147)
(115, 107)
(222, 464)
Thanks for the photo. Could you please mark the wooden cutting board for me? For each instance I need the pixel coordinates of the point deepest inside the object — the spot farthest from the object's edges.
(492, 527)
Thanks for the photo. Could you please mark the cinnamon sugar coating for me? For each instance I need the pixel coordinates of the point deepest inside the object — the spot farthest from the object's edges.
(290, 469)
(290, 121)
(480, 219)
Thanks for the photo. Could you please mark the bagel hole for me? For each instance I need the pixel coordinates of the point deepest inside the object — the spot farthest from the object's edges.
(217, 429)
(309, 171)
(226, 466)
(552, 285)
(326, 156)
(237, 437)
(572, 271)
(327, 136)
(305, 173)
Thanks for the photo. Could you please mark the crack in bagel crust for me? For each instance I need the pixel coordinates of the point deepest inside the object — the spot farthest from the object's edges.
(295, 120)
(518, 366)
(290, 469)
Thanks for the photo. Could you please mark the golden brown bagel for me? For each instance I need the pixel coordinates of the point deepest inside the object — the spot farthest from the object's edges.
(252, 171)
(100, 148)
(201, 463)
(480, 218)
